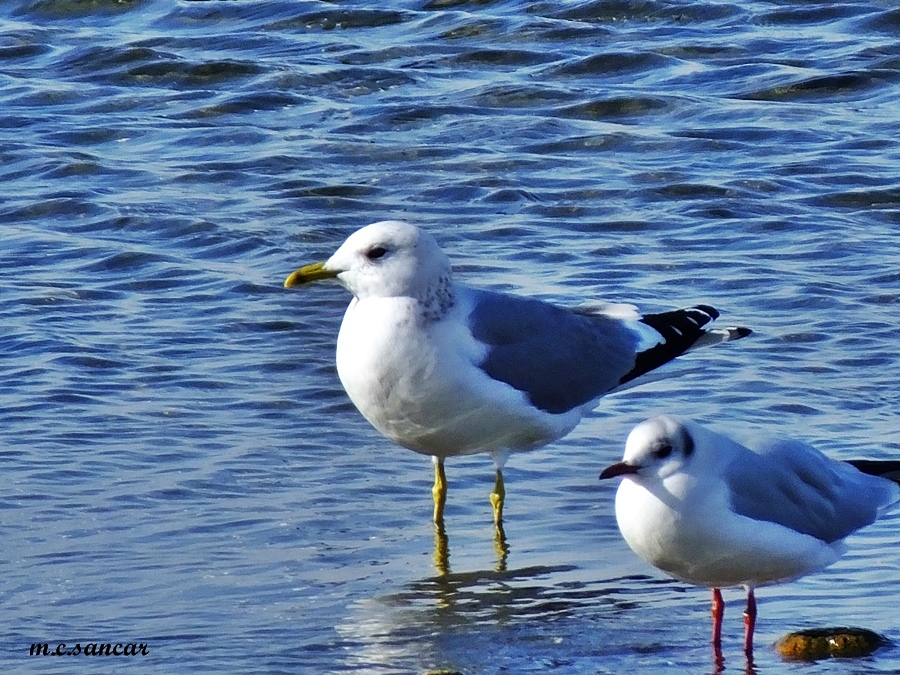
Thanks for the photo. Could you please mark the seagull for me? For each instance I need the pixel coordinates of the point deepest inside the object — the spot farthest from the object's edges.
(448, 370)
(712, 512)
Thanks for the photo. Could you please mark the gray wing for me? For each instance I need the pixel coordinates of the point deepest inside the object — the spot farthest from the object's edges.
(795, 485)
(562, 358)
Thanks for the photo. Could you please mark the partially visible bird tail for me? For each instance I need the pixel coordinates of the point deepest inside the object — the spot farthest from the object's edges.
(886, 468)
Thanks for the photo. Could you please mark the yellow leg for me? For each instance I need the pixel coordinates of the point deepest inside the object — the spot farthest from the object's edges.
(439, 491)
(497, 497)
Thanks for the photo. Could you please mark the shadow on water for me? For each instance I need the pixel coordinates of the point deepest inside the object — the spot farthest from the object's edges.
(489, 594)
(495, 620)
(482, 618)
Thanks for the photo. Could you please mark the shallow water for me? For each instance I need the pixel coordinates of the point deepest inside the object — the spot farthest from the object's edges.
(181, 467)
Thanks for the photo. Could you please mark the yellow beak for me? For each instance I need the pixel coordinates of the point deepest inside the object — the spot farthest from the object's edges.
(309, 273)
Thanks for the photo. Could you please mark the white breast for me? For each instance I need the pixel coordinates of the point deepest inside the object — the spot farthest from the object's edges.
(418, 383)
(691, 533)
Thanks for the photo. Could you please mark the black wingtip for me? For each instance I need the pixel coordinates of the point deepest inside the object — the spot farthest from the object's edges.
(708, 309)
(680, 330)
(886, 468)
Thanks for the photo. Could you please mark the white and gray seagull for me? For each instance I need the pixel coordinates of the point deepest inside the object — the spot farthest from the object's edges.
(712, 512)
(448, 370)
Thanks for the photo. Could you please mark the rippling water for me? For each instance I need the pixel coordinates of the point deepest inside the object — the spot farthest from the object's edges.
(181, 467)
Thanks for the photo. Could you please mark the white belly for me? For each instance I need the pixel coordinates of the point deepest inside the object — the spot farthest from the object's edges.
(421, 387)
(706, 544)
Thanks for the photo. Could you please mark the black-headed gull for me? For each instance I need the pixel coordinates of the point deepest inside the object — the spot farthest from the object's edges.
(446, 370)
(712, 512)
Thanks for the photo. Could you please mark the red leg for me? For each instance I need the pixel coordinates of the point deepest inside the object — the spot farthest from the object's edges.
(749, 624)
(718, 611)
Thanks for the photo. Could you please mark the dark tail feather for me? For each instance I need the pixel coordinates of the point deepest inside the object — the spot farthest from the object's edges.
(888, 468)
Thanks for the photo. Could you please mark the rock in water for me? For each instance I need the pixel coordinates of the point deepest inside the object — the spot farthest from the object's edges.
(827, 643)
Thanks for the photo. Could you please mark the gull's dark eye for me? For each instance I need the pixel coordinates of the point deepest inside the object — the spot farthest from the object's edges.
(687, 442)
(376, 252)
(663, 451)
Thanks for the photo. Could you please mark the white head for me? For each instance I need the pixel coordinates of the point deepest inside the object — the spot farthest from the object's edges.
(385, 259)
(655, 450)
